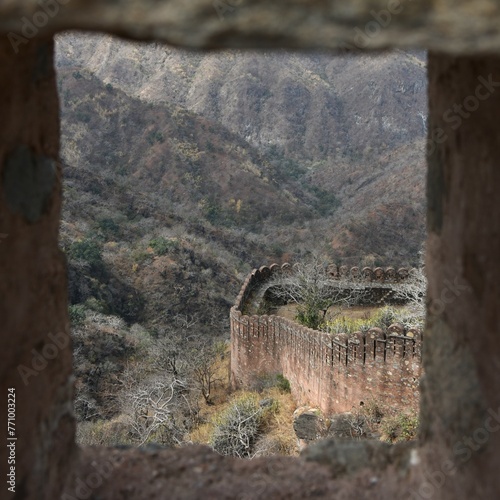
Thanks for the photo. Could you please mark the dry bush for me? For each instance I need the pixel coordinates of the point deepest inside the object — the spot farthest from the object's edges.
(103, 433)
(269, 445)
(237, 428)
(373, 420)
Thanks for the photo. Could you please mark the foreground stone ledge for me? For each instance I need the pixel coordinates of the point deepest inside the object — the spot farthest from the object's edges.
(347, 457)
(196, 472)
(442, 25)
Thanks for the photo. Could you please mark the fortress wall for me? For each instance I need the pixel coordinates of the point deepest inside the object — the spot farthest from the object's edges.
(332, 372)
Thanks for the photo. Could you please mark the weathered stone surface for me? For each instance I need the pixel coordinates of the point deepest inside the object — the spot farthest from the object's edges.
(309, 424)
(461, 390)
(445, 25)
(348, 457)
(35, 358)
(196, 472)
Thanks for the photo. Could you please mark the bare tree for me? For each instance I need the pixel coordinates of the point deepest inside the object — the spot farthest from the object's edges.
(188, 356)
(86, 407)
(186, 321)
(412, 291)
(311, 287)
(204, 367)
(168, 354)
(154, 410)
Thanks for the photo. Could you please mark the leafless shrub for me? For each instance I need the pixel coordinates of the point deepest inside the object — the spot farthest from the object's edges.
(310, 286)
(412, 291)
(154, 410)
(238, 429)
(204, 370)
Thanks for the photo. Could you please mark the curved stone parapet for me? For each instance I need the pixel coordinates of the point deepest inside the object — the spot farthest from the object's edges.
(414, 333)
(355, 273)
(368, 273)
(396, 328)
(403, 273)
(390, 274)
(334, 372)
(274, 268)
(379, 274)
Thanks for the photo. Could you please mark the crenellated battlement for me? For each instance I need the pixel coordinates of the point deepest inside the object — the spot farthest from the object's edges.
(332, 371)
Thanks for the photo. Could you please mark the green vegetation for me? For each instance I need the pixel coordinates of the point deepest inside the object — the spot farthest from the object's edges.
(399, 427)
(76, 314)
(347, 325)
(214, 213)
(229, 216)
(283, 384)
(325, 203)
(109, 228)
(155, 137)
(87, 250)
(97, 305)
(310, 315)
(284, 168)
(162, 246)
(383, 318)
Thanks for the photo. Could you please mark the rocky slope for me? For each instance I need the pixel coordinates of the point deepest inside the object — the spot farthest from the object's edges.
(352, 126)
(313, 106)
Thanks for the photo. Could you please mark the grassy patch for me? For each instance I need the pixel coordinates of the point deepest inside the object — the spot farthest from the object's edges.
(270, 409)
(385, 423)
(399, 427)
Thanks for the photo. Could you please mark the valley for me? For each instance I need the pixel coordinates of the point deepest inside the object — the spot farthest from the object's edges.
(183, 171)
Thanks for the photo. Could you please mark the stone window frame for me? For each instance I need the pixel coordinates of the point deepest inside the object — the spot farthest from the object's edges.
(456, 455)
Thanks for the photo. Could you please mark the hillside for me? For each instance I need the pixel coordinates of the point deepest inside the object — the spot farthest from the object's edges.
(351, 126)
(135, 182)
(312, 106)
(183, 171)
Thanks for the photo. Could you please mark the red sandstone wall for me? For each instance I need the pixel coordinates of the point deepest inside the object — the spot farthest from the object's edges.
(333, 372)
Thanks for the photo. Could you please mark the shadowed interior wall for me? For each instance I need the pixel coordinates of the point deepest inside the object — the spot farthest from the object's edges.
(461, 390)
